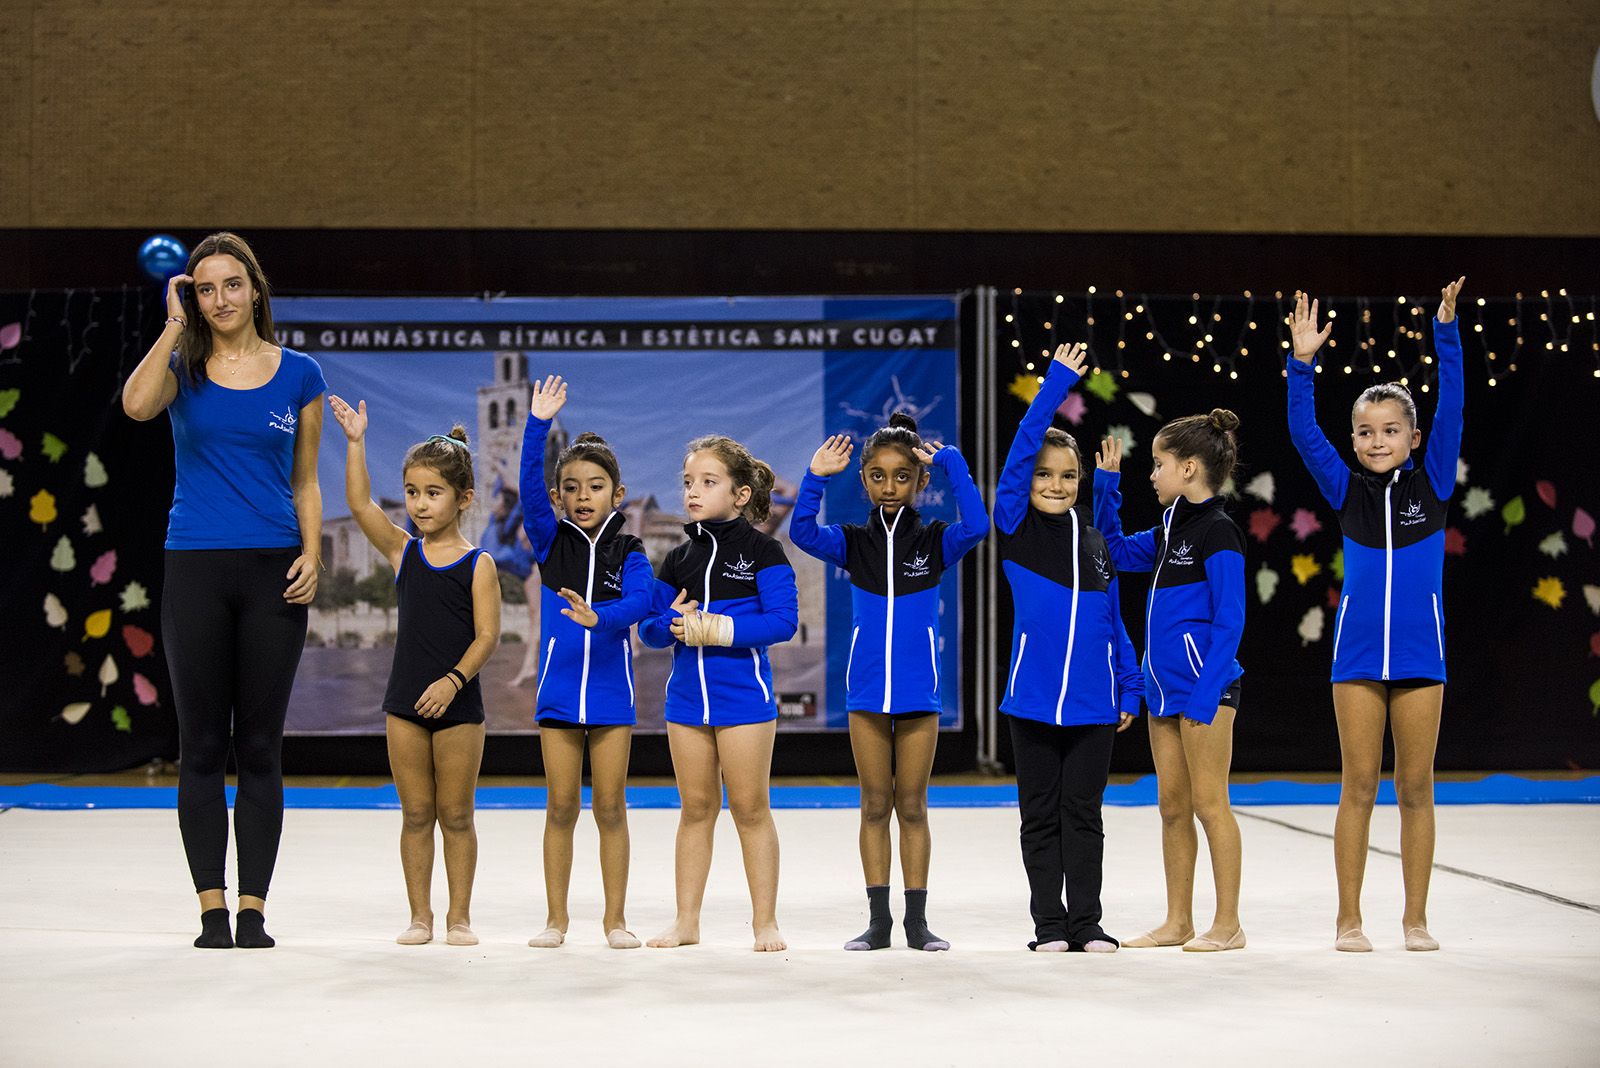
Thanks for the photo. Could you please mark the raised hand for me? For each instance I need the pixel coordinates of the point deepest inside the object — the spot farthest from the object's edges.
(548, 397)
(683, 606)
(925, 451)
(1447, 299)
(833, 456)
(1109, 458)
(1074, 357)
(1303, 328)
(353, 421)
(577, 609)
(175, 286)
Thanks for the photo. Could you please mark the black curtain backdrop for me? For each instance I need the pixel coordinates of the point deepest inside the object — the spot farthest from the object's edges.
(1523, 667)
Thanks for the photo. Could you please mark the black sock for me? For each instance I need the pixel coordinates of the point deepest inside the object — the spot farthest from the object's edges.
(916, 923)
(253, 930)
(214, 932)
(876, 936)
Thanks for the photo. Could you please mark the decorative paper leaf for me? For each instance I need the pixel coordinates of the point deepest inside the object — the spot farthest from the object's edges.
(1024, 388)
(1553, 546)
(75, 712)
(1123, 434)
(1310, 629)
(144, 690)
(7, 486)
(1263, 521)
(103, 568)
(120, 719)
(1305, 567)
(1333, 597)
(1266, 583)
(55, 613)
(1594, 697)
(108, 674)
(63, 559)
(1591, 596)
(10, 337)
(1336, 565)
(94, 472)
(1072, 408)
(8, 401)
(42, 508)
(1144, 402)
(97, 624)
(91, 521)
(1262, 487)
(10, 445)
(1514, 512)
(52, 447)
(1594, 644)
(1477, 502)
(138, 640)
(1551, 591)
(1546, 491)
(74, 664)
(134, 597)
(1583, 526)
(1305, 523)
(1455, 542)
(1461, 471)
(1102, 385)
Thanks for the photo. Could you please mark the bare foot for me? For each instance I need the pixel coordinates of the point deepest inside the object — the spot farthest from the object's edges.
(681, 933)
(768, 940)
(549, 938)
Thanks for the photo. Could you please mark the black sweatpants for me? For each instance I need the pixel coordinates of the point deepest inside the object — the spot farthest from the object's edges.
(232, 644)
(1061, 779)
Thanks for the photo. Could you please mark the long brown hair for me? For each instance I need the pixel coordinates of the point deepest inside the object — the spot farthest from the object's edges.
(1207, 438)
(194, 344)
(744, 469)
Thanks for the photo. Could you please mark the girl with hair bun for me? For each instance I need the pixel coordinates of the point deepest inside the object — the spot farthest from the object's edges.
(448, 624)
(595, 583)
(1388, 639)
(721, 598)
(1194, 618)
(895, 562)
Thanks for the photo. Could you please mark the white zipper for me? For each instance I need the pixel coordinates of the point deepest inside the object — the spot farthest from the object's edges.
(588, 598)
(627, 667)
(888, 624)
(1072, 621)
(1111, 670)
(700, 651)
(1011, 690)
(544, 672)
(1438, 627)
(850, 662)
(755, 658)
(1388, 567)
(1338, 630)
(933, 656)
(1192, 651)
(1166, 545)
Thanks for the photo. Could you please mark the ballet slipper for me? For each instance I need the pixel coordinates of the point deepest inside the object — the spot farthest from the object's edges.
(1212, 945)
(622, 939)
(1353, 941)
(549, 938)
(418, 934)
(1418, 940)
(460, 934)
(1148, 940)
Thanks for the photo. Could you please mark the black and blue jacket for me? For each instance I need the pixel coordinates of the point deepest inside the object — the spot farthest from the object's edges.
(585, 673)
(895, 566)
(1391, 614)
(1194, 616)
(732, 569)
(1071, 661)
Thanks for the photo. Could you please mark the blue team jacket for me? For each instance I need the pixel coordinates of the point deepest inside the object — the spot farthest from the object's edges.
(732, 569)
(1194, 616)
(1391, 614)
(895, 566)
(585, 673)
(1071, 660)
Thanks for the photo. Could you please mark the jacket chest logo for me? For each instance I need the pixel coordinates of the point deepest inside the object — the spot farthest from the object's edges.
(1412, 514)
(1102, 566)
(285, 422)
(916, 566)
(613, 580)
(739, 570)
(1182, 556)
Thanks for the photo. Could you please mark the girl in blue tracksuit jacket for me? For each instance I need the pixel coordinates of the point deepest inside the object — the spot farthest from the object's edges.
(1073, 681)
(1194, 618)
(721, 598)
(594, 584)
(1388, 638)
(895, 563)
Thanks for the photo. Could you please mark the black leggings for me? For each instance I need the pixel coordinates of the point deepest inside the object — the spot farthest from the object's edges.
(1061, 779)
(233, 644)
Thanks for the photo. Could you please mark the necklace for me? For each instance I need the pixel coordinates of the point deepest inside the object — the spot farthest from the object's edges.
(233, 360)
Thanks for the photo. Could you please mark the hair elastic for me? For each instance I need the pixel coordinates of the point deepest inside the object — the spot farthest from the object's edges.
(452, 441)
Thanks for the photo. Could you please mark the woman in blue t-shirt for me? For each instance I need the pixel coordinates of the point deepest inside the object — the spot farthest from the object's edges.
(242, 546)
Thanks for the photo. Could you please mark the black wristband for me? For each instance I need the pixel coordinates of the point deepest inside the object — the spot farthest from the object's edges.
(460, 679)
